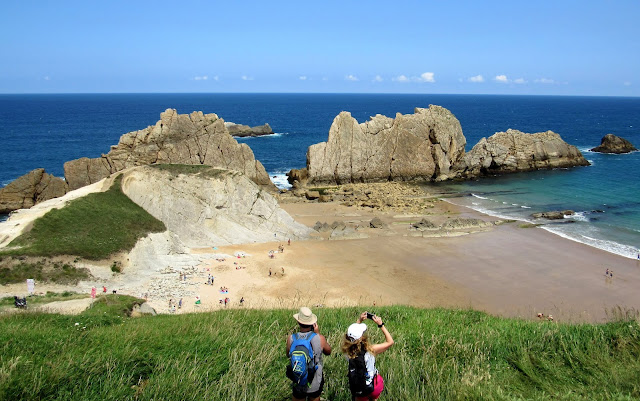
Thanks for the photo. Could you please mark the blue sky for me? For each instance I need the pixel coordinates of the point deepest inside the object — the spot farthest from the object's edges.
(492, 47)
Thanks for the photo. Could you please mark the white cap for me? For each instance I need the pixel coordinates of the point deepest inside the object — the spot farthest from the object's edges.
(356, 330)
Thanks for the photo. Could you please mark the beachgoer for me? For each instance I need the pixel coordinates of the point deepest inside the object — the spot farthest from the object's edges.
(269, 272)
(93, 292)
(242, 301)
(606, 273)
(104, 289)
(283, 271)
(289, 243)
(113, 292)
(308, 323)
(180, 304)
(355, 342)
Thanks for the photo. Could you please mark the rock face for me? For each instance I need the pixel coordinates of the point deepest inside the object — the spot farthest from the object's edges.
(33, 187)
(195, 138)
(512, 151)
(614, 144)
(212, 207)
(420, 146)
(240, 130)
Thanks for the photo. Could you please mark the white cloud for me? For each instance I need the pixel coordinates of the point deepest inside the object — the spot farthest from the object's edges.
(216, 78)
(626, 83)
(544, 81)
(501, 78)
(351, 78)
(519, 81)
(426, 77)
(378, 78)
(246, 78)
(201, 78)
(477, 78)
(47, 78)
(302, 77)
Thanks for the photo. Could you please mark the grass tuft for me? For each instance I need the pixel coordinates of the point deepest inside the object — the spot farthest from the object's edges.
(93, 227)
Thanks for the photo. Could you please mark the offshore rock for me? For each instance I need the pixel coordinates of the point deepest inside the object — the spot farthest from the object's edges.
(614, 144)
(210, 207)
(194, 138)
(513, 151)
(241, 131)
(553, 215)
(420, 146)
(34, 187)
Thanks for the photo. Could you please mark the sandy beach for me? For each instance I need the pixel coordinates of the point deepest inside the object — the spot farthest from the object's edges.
(503, 269)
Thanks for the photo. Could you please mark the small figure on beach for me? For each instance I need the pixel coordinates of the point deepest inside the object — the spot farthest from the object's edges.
(242, 301)
(104, 289)
(170, 302)
(281, 248)
(180, 304)
(283, 271)
(606, 272)
(198, 302)
(289, 244)
(269, 272)
(93, 292)
(113, 292)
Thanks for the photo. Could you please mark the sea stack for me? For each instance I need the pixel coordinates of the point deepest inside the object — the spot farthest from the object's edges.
(419, 146)
(515, 151)
(614, 144)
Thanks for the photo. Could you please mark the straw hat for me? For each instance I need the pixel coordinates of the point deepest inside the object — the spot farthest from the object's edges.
(305, 316)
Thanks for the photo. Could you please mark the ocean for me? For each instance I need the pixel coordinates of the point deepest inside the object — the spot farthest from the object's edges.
(47, 130)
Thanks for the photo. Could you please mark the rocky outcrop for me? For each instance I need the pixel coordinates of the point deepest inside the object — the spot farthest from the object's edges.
(614, 144)
(513, 151)
(241, 131)
(420, 146)
(553, 215)
(29, 189)
(195, 138)
(210, 207)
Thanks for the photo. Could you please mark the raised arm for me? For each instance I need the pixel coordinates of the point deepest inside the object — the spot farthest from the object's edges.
(326, 348)
(388, 340)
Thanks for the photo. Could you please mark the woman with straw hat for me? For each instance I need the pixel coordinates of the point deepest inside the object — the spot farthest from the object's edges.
(308, 323)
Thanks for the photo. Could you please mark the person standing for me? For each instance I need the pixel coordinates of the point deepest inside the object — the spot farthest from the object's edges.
(356, 343)
(93, 292)
(309, 330)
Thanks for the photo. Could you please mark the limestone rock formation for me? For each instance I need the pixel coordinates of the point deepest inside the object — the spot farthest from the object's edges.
(420, 146)
(512, 151)
(240, 130)
(211, 207)
(195, 138)
(553, 215)
(614, 144)
(34, 187)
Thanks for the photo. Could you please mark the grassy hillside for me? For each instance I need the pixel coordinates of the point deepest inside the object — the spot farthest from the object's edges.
(239, 355)
(93, 227)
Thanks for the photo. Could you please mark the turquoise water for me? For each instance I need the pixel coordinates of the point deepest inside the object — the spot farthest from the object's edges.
(47, 130)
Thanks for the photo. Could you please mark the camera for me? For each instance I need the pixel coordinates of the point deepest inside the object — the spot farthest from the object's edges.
(370, 315)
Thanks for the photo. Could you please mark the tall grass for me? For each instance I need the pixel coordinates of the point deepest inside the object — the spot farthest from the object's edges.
(93, 227)
(240, 355)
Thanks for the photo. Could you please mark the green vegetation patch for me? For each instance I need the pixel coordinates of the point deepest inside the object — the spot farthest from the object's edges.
(192, 169)
(46, 298)
(93, 227)
(239, 355)
(41, 271)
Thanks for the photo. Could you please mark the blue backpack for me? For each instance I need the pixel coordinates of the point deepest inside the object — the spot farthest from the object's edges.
(302, 365)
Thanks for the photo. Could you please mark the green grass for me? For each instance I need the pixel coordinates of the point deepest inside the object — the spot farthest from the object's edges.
(41, 271)
(46, 298)
(93, 227)
(239, 355)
